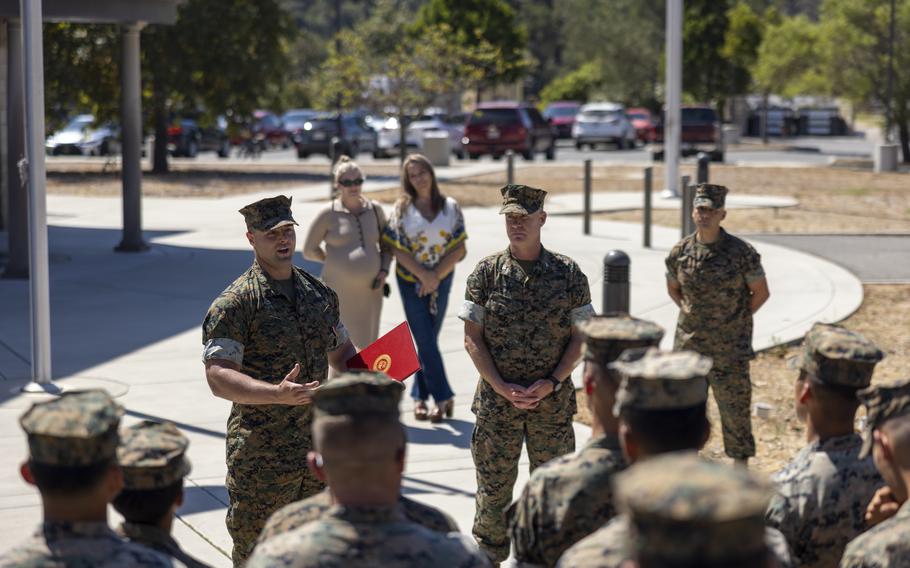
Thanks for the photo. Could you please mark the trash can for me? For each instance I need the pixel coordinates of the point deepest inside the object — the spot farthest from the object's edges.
(436, 147)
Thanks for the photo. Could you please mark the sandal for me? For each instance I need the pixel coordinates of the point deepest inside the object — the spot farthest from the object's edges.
(446, 408)
(420, 410)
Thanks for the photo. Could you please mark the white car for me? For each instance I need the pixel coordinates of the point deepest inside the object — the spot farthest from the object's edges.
(389, 139)
(603, 123)
(389, 135)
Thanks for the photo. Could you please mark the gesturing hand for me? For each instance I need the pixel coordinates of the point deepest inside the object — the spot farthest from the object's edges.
(292, 393)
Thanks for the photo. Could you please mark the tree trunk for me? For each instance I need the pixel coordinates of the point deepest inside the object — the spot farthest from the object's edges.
(402, 137)
(904, 133)
(159, 152)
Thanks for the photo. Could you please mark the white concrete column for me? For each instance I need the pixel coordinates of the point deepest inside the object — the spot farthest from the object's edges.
(17, 202)
(131, 134)
(39, 285)
(672, 118)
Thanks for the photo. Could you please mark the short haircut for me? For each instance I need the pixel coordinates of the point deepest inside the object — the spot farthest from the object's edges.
(839, 401)
(662, 431)
(68, 479)
(759, 560)
(365, 438)
(147, 506)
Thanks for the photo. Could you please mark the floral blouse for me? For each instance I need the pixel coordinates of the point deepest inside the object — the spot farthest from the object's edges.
(428, 241)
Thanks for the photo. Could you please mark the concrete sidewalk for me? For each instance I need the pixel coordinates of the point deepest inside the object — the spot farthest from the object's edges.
(131, 323)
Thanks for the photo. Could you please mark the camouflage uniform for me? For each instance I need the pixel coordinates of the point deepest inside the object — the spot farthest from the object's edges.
(352, 536)
(679, 509)
(76, 429)
(300, 513)
(568, 498)
(715, 318)
(366, 536)
(255, 325)
(527, 323)
(822, 494)
(152, 456)
(886, 545)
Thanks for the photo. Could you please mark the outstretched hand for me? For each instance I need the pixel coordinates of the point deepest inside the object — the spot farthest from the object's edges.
(292, 393)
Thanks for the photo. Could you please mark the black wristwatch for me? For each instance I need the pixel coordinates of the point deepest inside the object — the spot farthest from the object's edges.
(557, 384)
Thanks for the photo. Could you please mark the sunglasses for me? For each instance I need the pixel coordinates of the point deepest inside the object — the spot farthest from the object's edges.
(350, 182)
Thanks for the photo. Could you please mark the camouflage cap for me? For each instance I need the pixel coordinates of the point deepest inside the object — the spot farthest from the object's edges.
(521, 199)
(684, 509)
(269, 213)
(838, 356)
(710, 195)
(606, 337)
(883, 402)
(353, 392)
(76, 429)
(656, 380)
(152, 455)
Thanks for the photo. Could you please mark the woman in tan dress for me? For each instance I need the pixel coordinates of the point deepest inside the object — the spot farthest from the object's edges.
(356, 263)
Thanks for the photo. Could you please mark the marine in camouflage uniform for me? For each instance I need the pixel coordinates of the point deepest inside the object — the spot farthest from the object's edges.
(152, 457)
(886, 545)
(263, 327)
(713, 283)
(569, 497)
(823, 492)
(69, 434)
(519, 316)
(300, 513)
(655, 383)
(686, 511)
(355, 416)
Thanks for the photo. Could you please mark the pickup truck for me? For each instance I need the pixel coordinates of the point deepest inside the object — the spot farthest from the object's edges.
(701, 132)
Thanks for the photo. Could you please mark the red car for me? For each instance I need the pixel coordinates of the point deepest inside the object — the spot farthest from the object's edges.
(643, 123)
(496, 127)
(700, 132)
(265, 126)
(561, 115)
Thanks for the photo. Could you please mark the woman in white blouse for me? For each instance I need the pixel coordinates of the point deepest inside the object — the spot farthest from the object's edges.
(426, 233)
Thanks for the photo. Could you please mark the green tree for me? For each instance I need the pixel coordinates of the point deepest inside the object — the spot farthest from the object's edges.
(490, 24)
(789, 62)
(579, 85)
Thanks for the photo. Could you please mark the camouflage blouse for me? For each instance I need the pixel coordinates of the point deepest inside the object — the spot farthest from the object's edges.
(255, 325)
(715, 318)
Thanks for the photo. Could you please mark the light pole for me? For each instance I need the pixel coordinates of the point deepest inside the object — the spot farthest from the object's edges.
(672, 115)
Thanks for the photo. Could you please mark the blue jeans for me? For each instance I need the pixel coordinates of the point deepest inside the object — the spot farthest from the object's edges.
(431, 379)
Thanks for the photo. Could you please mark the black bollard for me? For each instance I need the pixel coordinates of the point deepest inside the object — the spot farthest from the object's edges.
(685, 206)
(646, 240)
(587, 215)
(703, 161)
(510, 167)
(616, 282)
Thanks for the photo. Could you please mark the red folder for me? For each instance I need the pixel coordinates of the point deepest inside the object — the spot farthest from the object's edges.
(393, 354)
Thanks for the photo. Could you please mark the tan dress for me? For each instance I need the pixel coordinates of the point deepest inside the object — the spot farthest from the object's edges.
(353, 258)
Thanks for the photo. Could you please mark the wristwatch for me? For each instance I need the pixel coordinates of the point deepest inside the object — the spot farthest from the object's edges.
(557, 384)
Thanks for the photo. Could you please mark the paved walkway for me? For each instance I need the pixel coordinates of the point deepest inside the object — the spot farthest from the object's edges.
(573, 203)
(131, 323)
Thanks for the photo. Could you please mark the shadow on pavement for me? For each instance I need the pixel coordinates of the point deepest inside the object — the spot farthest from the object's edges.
(457, 434)
(202, 498)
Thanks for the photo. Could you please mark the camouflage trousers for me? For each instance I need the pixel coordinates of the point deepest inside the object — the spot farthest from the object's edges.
(496, 448)
(254, 498)
(732, 388)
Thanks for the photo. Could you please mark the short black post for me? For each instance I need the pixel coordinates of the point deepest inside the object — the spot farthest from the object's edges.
(703, 168)
(685, 206)
(510, 166)
(646, 240)
(616, 282)
(587, 217)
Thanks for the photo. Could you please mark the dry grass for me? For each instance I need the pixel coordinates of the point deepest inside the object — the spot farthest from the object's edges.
(884, 318)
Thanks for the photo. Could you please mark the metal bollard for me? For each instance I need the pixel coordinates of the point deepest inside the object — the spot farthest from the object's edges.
(510, 166)
(703, 168)
(616, 282)
(646, 238)
(587, 215)
(685, 206)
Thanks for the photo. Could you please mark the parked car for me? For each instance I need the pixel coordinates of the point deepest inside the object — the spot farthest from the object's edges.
(186, 138)
(643, 123)
(603, 123)
(388, 139)
(495, 127)
(295, 119)
(316, 136)
(561, 115)
(700, 132)
(439, 123)
(82, 136)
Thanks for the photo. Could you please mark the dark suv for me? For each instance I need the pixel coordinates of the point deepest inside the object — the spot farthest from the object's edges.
(185, 137)
(495, 127)
(701, 132)
(316, 135)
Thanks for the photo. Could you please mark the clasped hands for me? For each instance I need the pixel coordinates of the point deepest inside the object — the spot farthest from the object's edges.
(525, 398)
(429, 282)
